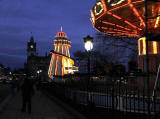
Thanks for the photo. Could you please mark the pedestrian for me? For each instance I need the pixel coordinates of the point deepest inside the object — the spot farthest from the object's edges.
(38, 85)
(18, 85)
(13, 85)
(27, 93)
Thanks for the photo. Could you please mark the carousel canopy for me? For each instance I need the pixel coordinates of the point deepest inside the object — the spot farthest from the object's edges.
(126, 17)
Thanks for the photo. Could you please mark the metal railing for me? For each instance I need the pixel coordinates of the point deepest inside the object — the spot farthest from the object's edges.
(121, 101)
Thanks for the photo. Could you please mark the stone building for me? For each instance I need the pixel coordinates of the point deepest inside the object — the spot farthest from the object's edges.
(36, 66)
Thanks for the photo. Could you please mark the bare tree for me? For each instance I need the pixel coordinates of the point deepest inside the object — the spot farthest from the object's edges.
(79, 56)
(116, 47)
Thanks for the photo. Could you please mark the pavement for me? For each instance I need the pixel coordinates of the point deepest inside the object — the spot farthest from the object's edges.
(42, 108)
(5, 90)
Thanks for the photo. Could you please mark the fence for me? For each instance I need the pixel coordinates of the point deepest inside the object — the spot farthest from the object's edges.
(121, 101)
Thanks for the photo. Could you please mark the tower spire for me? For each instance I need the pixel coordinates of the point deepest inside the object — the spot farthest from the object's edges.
(32, 39)
(61, 28)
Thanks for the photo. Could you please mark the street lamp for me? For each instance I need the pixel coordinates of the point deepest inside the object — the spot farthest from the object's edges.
(88, 44)
(38, 71)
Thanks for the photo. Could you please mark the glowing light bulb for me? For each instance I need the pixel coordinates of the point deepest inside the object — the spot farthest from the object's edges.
(88, 45)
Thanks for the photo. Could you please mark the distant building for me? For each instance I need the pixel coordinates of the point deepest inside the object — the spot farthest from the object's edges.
(4, 70)
(36, 65)
(1, 70)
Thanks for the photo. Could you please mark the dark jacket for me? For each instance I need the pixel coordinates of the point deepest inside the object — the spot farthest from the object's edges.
(27, 88)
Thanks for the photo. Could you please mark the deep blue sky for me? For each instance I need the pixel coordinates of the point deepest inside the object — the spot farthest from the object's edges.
(18, 18)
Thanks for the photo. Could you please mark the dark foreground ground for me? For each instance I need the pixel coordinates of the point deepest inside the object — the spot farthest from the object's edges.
(5, 90)
(42, 108)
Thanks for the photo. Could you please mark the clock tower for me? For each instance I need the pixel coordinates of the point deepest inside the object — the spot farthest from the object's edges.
(31, 47)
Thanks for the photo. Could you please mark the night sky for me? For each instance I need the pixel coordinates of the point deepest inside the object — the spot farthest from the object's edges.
(18, 18)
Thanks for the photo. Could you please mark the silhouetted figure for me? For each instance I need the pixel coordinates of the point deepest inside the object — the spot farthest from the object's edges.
(18, 85)
(13, 85)
(38, 85)
(27, 93)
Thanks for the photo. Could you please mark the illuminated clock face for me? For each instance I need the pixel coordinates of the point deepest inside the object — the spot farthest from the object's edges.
(115, 2)
(31, 46)
(98, 8)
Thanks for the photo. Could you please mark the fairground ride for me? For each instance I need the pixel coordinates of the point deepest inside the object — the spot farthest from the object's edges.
(127, 18)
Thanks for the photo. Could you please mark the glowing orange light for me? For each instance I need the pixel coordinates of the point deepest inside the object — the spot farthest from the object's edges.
(52, 62)
(116, 25)
(115, 30)
(116, 16)
(58, 49)
(68, 52)
(139, 52)
(49, 71)
(51, 65)
(137, 13)
(114, 8)
(123, 27)
(104, 5)
(154, 47)
(56, 69)
(61, 66)
(142, 47)
(130, 24)
(62, 50)
(99, 16)
(157, 20)
(92, 18)
(108, 23)
(65, 50)
(138, 1)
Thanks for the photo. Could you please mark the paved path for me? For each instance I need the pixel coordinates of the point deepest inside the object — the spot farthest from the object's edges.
(4, 91)
(42, 108)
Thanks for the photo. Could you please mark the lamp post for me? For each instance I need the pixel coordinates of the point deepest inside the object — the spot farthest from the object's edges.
(88, 44)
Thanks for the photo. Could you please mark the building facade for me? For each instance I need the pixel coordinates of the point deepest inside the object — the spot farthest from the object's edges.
(36, 66)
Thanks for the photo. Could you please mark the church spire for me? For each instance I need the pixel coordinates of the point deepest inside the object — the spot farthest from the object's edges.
(32, 39)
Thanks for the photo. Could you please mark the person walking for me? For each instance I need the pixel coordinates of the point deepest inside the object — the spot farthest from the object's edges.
(13, 85)
(27, 93)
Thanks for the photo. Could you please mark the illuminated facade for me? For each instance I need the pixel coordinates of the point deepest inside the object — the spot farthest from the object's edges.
(61, 63)
(154, 54)
(153, 47)
(127, 18)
